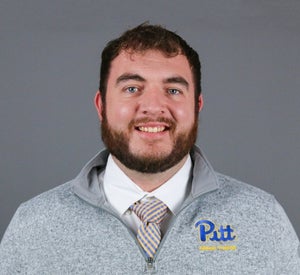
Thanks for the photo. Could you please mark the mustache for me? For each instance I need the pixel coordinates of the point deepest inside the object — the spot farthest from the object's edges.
(170, 122)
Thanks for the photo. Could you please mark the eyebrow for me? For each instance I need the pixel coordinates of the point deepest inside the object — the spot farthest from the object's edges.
(178, 80)
(175, 79)
(127, 76)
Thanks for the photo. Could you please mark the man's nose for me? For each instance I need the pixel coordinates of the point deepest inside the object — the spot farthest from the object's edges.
(153, 102)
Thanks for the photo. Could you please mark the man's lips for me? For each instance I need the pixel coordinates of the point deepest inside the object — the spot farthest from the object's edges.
(159, 125)
(156, 129)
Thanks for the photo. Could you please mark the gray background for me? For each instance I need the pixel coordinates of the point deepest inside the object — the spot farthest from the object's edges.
(49, 64)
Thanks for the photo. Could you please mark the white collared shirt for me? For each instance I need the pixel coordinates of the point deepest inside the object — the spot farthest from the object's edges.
(121, 192)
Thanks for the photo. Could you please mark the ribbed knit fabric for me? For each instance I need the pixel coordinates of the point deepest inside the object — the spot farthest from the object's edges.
(151, 213)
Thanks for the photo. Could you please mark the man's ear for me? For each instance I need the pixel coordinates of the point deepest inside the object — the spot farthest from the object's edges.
(200, 102)
(98, 104)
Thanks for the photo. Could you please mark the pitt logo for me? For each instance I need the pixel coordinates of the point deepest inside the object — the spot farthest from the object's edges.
(210, 233)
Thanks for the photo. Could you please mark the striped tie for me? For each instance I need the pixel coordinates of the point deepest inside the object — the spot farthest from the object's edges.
(151, 213)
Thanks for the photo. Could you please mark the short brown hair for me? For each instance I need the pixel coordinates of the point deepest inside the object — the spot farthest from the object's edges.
(149, 37)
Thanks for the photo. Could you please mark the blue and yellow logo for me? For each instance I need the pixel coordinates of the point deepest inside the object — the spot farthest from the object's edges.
(213, 237)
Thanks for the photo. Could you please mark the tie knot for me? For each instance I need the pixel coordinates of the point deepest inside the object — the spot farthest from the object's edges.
(150, 211)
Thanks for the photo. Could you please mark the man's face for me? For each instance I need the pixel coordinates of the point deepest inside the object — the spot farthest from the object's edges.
(148, 120)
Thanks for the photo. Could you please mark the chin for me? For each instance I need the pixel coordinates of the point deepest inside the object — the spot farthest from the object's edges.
(153, 152)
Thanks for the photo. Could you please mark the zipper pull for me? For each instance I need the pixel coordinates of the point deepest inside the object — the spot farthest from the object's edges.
(150, 267)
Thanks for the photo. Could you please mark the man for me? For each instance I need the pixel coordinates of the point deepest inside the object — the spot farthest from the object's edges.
(150, 202)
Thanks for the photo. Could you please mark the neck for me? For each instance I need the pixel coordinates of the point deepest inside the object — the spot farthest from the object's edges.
(149, 182)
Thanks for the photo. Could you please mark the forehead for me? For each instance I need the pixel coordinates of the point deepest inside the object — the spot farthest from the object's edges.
(150, 63)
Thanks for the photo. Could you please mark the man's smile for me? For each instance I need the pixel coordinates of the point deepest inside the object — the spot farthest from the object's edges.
(158, 126)
(152, 129)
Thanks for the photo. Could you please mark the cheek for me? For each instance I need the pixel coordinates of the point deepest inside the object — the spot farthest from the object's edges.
(118, 113)
(186, 121)
(185, 114)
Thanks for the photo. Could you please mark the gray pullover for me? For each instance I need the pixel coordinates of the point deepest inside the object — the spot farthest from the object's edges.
(224, 227)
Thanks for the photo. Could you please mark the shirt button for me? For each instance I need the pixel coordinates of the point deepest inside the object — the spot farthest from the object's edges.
(128, 212)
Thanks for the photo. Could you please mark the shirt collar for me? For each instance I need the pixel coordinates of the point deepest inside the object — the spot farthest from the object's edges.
(121, 192)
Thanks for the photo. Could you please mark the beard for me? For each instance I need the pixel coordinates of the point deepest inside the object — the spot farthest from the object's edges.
(117, 142)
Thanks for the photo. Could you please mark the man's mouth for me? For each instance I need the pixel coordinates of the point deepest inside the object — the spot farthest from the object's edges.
(157, 129)
(157, 126)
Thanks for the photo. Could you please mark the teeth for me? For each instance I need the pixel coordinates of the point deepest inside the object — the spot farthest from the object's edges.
(152, 129)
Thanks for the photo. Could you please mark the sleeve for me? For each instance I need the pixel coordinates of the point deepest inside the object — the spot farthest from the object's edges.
(286, 243)
(11, 249)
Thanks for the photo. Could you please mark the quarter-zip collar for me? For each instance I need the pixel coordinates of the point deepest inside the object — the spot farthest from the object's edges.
(87, 186)
(204, 178)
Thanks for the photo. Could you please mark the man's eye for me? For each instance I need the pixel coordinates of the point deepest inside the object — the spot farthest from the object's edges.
(132, 89)
(173, 91)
